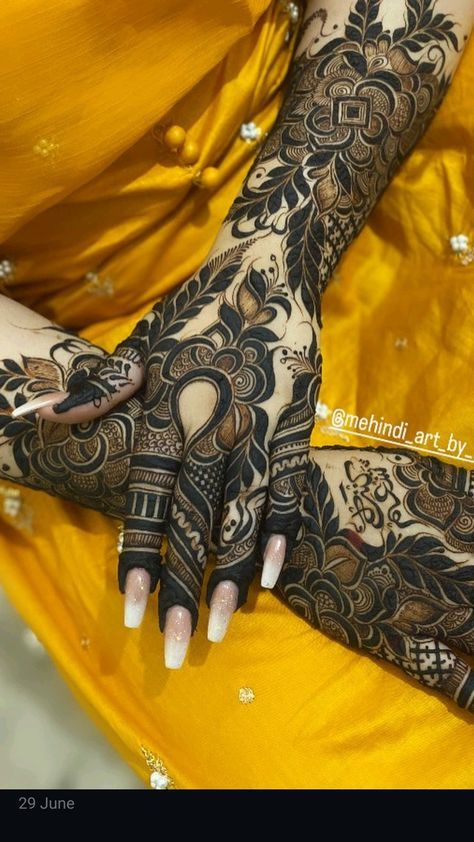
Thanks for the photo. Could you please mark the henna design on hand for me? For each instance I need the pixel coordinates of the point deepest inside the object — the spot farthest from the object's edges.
(250, 343)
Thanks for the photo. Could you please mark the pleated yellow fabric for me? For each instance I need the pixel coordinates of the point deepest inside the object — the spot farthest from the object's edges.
(99, 221)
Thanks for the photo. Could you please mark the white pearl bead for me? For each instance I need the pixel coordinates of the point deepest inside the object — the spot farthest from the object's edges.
(322, 410)
(12, 506)
(293, 12)
(459, 243)
(159, 781)
(250, 131)
(6, 269)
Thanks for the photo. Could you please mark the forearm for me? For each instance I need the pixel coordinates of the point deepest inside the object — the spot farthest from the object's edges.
(87, 463)
(366, 79)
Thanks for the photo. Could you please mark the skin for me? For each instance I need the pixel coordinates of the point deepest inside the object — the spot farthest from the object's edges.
(230, 361)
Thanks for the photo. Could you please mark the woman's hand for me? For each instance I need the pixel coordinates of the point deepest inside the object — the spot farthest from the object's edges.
(385, 561)
(87, 463)
(232, 373)
(90, 462)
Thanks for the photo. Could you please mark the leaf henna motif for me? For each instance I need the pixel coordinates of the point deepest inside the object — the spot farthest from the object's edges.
(353, 111)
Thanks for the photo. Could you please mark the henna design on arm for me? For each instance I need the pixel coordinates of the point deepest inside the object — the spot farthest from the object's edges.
(354, 109)
(400, 588)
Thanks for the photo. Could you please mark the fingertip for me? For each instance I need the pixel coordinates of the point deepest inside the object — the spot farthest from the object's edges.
(137, 589)
(95, 397)
(223, 605)
(273, 558)
(178, 627)
(41, 405)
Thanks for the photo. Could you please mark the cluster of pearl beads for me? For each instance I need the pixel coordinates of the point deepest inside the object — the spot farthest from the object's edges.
(250, 132)
(463, 249)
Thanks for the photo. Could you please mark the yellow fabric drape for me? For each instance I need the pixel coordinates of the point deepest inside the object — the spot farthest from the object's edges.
(100, 221)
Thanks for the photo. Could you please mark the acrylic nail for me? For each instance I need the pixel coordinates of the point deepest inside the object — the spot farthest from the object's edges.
(177, 636)
(137, 588)
(37, 403)
(223, 604)
(273, 559)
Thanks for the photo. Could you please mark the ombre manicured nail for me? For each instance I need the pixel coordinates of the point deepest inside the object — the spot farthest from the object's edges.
(273, 559)
(37, 403)
(137, 588)
(223, 605)
(177, 636)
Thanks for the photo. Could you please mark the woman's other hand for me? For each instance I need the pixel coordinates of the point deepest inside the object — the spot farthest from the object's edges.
(385, 561)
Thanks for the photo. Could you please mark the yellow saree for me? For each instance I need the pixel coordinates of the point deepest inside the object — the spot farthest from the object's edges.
(98, 221)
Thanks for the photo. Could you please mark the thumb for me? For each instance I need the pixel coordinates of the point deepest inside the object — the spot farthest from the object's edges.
(93, 388)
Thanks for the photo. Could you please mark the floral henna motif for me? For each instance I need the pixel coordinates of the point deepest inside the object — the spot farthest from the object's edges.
(354, 108)
(30, 377)
(437, 496)
(87, 463)
(407, 597)
(222, 463)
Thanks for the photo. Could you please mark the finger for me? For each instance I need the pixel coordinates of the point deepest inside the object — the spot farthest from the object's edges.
(273, 558)
(204, 410)
(154, 467)
(177, 636)
(148, 503)
(289, 456)
(91, 392)
(196, 502)
(238, 549)
(137, 589)
(246, 490)
(223, 604)
(95, 384)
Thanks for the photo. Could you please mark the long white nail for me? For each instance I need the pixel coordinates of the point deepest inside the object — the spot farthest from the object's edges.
(137, 588)
(273, 559)
(177, 636)
(223, 605)
(37, 403)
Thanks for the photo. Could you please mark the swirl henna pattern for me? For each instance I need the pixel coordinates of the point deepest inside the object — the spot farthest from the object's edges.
(384, 561)
(226, 424)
